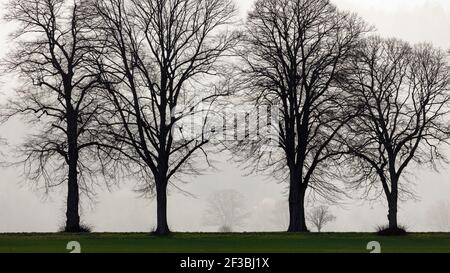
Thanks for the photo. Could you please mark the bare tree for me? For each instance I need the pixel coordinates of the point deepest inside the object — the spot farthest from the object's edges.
(226, 210)
(53, 57)
(292, 53)
(320, 217)
(163, 57)
(401, 94)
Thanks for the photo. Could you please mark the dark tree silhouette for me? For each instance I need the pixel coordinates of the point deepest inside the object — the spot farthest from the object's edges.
(402, 95)
(162, 58)
(320, 217)
(53, 59)
(226, 210)
(292, 53)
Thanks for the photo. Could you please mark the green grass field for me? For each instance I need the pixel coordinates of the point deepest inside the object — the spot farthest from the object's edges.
(224, 243)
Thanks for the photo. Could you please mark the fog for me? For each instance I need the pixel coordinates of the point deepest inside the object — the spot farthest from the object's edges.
(23, 209)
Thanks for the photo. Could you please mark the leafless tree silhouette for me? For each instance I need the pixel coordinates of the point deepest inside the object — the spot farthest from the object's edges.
(320, 217)
(53, 57)
(161, 58)
(226, 210)
(402, 95)
(292, 52)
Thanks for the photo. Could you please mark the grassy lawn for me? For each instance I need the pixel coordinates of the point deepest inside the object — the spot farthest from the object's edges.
(224, 243)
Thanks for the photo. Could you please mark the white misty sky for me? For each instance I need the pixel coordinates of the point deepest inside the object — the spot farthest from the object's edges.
(24, 210)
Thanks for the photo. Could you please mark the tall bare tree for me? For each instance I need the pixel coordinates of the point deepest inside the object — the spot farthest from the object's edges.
(163, 58)
(226, 210)
(53, 59)
(320, 217)
(402, 95)
(292, 52)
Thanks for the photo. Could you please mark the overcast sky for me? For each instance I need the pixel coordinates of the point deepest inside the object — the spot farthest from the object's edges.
(24, 210)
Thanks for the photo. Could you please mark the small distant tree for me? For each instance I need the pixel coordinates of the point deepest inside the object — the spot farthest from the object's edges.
(280, 215)
(226, 210)
(439, 216)
(320, 217)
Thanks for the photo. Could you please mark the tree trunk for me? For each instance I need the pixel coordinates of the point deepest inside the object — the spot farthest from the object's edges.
(162, 228)
(392, 216)
(73, 198)
(297, 192)
(392, 203)
(72, 213)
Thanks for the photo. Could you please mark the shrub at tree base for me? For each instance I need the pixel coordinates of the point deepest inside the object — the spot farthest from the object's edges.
(386, 231)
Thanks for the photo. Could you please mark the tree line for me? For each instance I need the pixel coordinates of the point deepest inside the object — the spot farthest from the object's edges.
(106, 83)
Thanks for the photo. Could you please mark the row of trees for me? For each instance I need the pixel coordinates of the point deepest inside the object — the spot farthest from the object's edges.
(107, 82)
